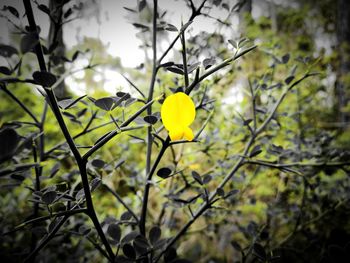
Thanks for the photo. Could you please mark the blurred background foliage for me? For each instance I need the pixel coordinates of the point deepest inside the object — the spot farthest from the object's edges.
(298, 213)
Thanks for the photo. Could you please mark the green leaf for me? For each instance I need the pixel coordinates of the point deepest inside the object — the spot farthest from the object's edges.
(12, 10)
(154, 234)
(129, 251)
(285, 58)
(207, 178)
(175, 70)
(256, 151)
(220, 192)
(169, 255)
(126, 216)
(114, 232)
(164, 172)
(49, 197)
(95, 183)
(208, 62)
(259, 251)
(130, 237)
(106, 104)
(69, 103)
(55, 169)
(43, 78)
(9, 140)
(28, 42)
(151, 119)
(7, 51)
(142, 5)
(5, 70)
(98, 163)
(84, 230)
(171, 28)
(289, 79)
(197, 177)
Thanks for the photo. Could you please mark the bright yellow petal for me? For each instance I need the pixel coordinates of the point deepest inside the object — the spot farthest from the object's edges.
(178, 111)
(176, 134)
(186, 108)
(188, 134)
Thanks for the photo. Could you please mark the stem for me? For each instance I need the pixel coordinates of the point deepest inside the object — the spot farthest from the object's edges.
(81, 162)
(24, 107)
(90, 207)
(212, 70)
(148, 185)
(115, 132)
(149, 112)
(115, 194)
(184, 58)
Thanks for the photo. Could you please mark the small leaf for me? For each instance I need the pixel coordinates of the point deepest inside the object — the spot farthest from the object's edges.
(289, 79)
(193, 67)
(197, 177)
(28, 42)
(44, 9)
(80, 194)
(106, 104)
(169, 255)
(7, 51)
(130, 237)
(236, 245)
(175, 70)
(185, 26)
(68, 13)
(44, 78)
(123, 95)
(12, 10)
(114, 232)
(142, 5)
(129, 251)
(256, 150)
(49, 197)
(129, 9)
(98, 163)
(141, 241)
(164, 172)
(233, 43)
(285, 58)
(84, 230)
(141, 245)
(55, 169)
(232, 192)
(207, 178)
(220, 192)
(138, 25)
(154, 234)
(68, 103)
(119, 163)
(5, 70)
(259, 251)
(208, 62)
(9, 140)
(151, 119)
(126, 216)
(171, 28)
(95, 183)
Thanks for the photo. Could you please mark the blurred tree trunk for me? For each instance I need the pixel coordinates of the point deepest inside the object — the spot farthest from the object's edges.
(244, 10)
(56, 36)
(343, 75)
